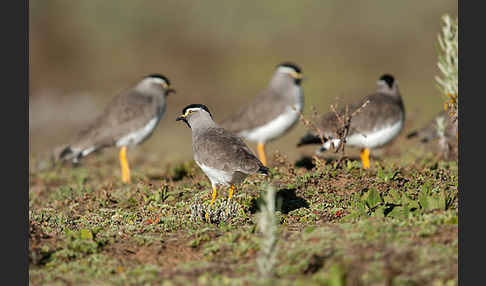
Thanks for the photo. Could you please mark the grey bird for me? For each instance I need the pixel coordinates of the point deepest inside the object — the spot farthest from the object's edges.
(273, 112)
(438, 126)
(224, 157)
(128, 120)
(377, 124)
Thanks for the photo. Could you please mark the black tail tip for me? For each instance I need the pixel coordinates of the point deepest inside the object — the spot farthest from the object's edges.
(263, 170)
(309, 139)
(65, 152)
(412, 134)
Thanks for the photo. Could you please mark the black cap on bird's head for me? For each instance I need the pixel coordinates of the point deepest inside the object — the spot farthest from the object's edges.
(162, 77)
(388, 79)
(291, 65)
(195, 106)
(188, 110)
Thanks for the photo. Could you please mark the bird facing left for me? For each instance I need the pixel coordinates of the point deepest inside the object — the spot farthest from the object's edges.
(129, 119)
(223, 156)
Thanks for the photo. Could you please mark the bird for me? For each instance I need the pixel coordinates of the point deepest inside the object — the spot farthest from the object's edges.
(272, 112)
(129, 119)
(435, 128)
(222, 156)
(376, 124)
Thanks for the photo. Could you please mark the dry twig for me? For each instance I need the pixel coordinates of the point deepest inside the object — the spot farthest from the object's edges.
(310, 125)
(345, 121)
(341, 132)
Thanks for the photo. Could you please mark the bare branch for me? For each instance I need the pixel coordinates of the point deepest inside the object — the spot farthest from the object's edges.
(310, 125)
(345, 124)
(343, 129)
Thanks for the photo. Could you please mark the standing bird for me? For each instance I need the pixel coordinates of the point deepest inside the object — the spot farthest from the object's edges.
(378, 123)
(439, 126)
(223, 156)
(274, 111)
(128, 120)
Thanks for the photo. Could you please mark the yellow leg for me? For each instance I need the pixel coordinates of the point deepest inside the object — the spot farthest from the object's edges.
(230, 195)
(124, 165)
(231, 190)
(365, 158)
(261, 153)
(212, 202)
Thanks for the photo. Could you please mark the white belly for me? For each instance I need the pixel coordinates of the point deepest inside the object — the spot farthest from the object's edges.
(274, 128)
(218, 177)
(138, 136)
(372, 140)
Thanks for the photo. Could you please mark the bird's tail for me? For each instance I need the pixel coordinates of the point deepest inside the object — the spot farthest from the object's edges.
(309, 138)
(64, 153)
(50, 159)
(59, 155)
(263, 170)
(423, 135)
(412, 134)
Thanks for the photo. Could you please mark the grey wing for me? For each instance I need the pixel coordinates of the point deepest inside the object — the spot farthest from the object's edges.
(123, 114)
(381, 110)
(222, 150)
(265, 107)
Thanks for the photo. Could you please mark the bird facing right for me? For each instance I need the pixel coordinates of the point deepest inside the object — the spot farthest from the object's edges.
(129, 119)
(375, 125)
(273, 112)
(223, 156)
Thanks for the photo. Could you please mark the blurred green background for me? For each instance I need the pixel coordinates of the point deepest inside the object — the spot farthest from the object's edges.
(221, 53)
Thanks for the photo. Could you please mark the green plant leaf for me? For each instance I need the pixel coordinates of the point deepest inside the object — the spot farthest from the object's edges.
(85, 234)
(373, 198)
(424, 200)
(336, 276)
(398, 212)
(380, 211)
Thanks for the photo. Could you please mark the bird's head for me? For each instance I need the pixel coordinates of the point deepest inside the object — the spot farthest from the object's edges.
(156, 82)
(194, 112)
(290, 70)
(387, 84)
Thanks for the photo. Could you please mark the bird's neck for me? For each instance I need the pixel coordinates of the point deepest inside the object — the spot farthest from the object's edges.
(202, 123)
(394, 92)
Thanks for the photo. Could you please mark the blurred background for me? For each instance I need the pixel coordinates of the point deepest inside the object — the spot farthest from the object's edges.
(221, 53)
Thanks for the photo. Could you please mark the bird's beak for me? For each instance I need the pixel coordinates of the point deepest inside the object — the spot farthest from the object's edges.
(183, 118)
(169, 91)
